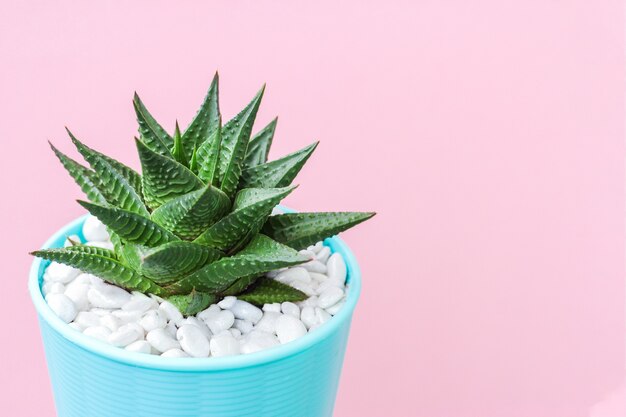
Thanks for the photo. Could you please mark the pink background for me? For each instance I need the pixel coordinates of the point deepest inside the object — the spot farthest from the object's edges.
(488, 135)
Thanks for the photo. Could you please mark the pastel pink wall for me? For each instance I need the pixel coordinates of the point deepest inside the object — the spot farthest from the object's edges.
(488, 135)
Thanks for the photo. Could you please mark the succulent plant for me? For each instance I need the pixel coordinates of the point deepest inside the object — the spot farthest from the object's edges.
(197, 224)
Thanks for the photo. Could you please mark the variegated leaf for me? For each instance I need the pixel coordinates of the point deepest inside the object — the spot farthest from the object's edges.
(84, 177)
(278, 173)
(164, 178)
(269, 291)
(93, 261)
(191, 214)
(208, 156)
(129, 226)
(150, 131)
(300, 230)
(206, 120)
(259, 146)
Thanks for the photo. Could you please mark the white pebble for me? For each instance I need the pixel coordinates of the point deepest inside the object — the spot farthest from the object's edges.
(193, 341)
(297, 273)
(170, 312)
(309, 302)
(98, 332)
(307, 253)
(227, 303)
(315, 266)
(111, 322)
(84, 279)
(268, 322)
(308, 317)
(246, 311)
(205, 314)
(194, 321)
(321, 315)
(139, 346)
(258, 340)
(56, 272)
(93, 229)
(131, 316)
(275, 307)
(305, 288)
(335, 308)
(161, 340)
(218, 322)
(171, 329)
(323, 254)
(174, 353)
(329, 297)
(291, 309)
(77, 292)
(101, 311)
(224, 344)
(103, 245)
(140, 302)
(76, 326)
(317, 277)
(52, 288)
(336, 268)
(244, 326)
(107, 296)
(62, 306)
(289, 328)
(235, 332)
(153, 319)
(87, 319)
(125, 335)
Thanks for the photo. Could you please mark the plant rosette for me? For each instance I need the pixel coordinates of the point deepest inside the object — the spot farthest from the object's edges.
(149, 324)
(185, 292)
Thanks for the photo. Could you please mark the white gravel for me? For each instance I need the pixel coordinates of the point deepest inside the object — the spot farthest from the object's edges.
(147, 324)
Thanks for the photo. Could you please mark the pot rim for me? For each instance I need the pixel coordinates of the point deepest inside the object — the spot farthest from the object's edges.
(196, 364)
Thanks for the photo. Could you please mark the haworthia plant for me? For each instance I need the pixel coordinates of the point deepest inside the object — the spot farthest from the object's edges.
(197, 224)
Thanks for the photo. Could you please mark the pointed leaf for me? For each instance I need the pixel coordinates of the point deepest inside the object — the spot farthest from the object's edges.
(269, 291)
(259, 146)
(252, 206)
(235, 137)
(164, 178)
(93, 262)
(169, 261)
(151, 132)
(240, 285)
(300, 230)
(84, 177)
(206, 120)
(191, 214)
(118, 183)
(278, 173)
(192, 303)
(260, 256)
(178, 152)
(130, 226)
(208, 155)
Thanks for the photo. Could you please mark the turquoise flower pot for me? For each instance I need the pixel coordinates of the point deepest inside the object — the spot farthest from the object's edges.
(93, 379)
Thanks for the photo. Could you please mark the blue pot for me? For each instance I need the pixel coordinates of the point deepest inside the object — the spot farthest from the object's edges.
(93, 379)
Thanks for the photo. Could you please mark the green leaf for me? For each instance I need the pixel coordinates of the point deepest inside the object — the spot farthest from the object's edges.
(129, 226)
(90, 260)
(251, 207)
(269, 291)
(278, 173)
(192, 303)
(151, 132)
(169, 261)
(119, 184)
(240, 285)
(259, 146)
(191, 214)
(164, 178)
(178, 152)
(260, 256)
(235, 137)
(300, 230)
(208, 155)
(206, 120)
(84, 177)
